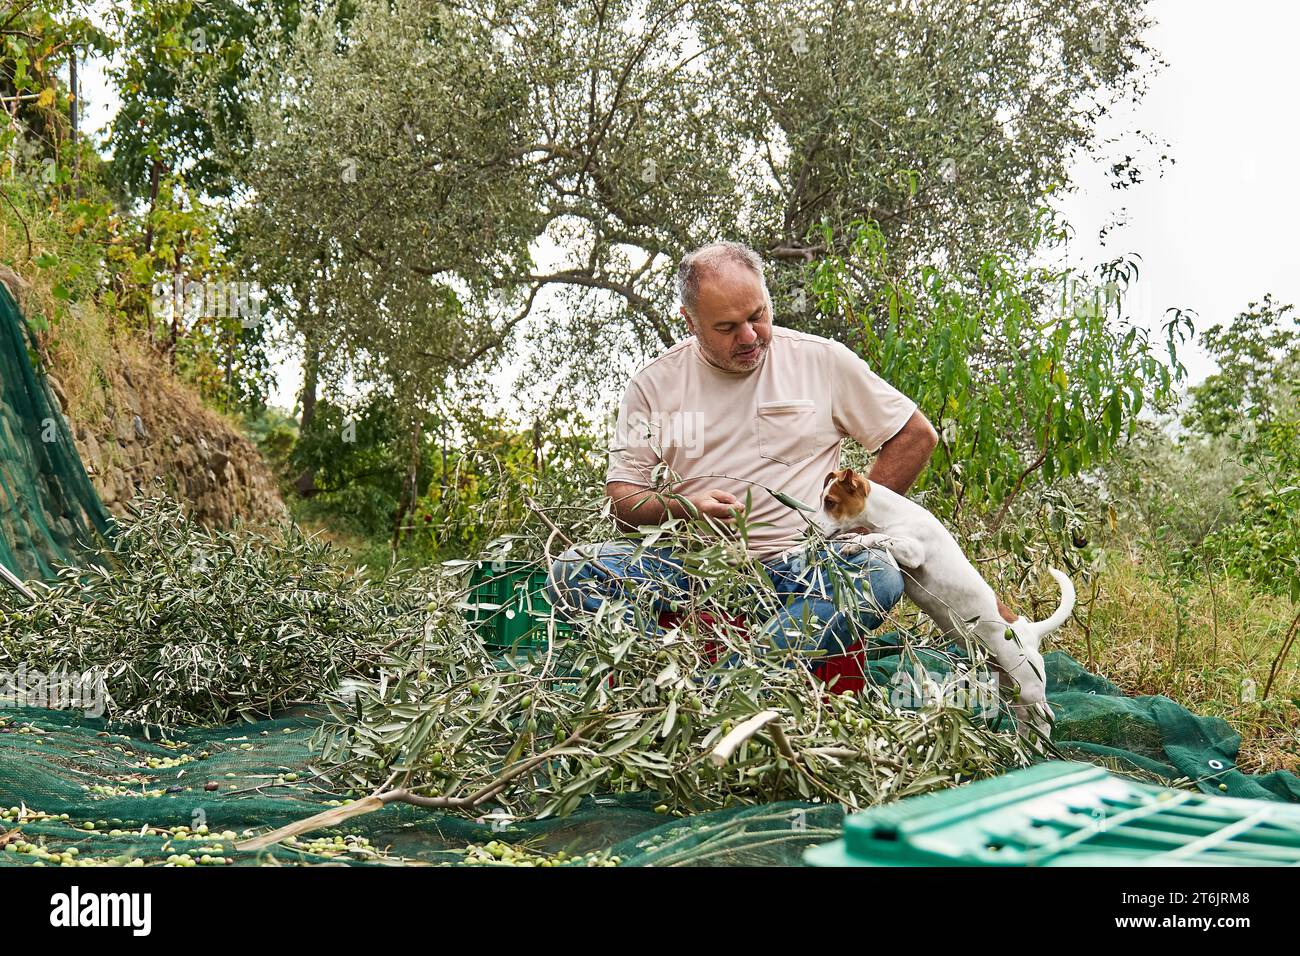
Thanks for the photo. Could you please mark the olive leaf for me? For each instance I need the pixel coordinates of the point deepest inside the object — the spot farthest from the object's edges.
(190, 626)
(789, 501)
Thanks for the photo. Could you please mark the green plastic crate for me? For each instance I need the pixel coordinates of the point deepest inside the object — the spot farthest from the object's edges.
(508, 606)
(1067, 814)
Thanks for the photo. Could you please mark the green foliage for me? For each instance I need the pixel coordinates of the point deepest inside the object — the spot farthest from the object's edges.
(390, 226)
(945, 123)
(1251, 408)
(1173, 489)
(1030, 376)
(194, 626)
(477, 490)
(182, 293)
(356, 450)
(275, 434)
(53, 196)
(169, 51)
(1265, 542)
(35, 42)
(387, 226)
(1258, 355)
(160, 277)
(124, 264)
(473, 470)
(1214, 501)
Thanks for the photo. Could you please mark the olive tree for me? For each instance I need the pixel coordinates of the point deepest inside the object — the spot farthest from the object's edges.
(769, 120)
(383, 197)
(416, 153)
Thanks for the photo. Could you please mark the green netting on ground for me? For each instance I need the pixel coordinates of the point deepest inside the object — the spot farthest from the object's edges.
(49, 512)
(51, 762)
(1148, 735)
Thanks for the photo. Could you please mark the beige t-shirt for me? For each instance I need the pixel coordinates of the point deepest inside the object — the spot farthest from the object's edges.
(778, 426)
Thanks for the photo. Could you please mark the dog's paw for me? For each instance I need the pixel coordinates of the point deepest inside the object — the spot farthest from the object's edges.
(854, 544)
(908, 552)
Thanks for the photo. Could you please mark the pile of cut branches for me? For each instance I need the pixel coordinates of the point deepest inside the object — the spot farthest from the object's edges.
(186, 625)
(701, 716)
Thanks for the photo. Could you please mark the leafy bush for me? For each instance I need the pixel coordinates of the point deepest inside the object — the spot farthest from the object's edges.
(1205, 512)
(1265, 543)
(1252, 406)
(1029, 376)
(470, 469)
(476, 491)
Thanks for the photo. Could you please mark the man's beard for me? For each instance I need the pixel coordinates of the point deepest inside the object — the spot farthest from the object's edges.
(739, 363)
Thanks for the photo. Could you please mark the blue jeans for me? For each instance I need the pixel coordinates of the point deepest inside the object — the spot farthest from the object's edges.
(838, 606)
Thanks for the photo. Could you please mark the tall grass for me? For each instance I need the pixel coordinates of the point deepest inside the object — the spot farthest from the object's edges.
(1209, 645)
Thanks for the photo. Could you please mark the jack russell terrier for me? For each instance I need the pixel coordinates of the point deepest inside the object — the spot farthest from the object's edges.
(945, 585)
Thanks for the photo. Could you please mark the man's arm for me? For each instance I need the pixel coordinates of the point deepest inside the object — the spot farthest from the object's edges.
(902, 459)
(637, 505)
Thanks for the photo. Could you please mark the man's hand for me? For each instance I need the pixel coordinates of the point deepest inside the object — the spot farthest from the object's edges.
(637, 505)
(902, 459)
(717, 503)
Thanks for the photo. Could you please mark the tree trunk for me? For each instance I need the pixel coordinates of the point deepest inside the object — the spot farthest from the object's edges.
(73, 110)
(410, 486)
(155, 180)
(305, 484)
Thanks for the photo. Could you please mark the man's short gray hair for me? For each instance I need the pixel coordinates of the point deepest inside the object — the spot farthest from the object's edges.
(705, 260)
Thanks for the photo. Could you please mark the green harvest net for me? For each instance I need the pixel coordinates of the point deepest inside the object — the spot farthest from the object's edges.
(59, 762)
(49, 512)
(70, 784)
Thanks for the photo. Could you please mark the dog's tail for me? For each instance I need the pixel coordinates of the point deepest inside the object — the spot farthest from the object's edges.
(1063, 611)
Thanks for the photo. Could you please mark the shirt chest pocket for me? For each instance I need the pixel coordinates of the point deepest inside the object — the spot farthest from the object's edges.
(787, 430)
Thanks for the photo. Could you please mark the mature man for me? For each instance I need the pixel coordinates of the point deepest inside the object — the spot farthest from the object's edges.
(740, 407)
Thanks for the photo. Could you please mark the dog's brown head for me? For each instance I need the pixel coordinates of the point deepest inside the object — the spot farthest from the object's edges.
(844, 501)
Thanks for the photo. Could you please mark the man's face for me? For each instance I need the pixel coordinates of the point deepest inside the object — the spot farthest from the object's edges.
(732, 322)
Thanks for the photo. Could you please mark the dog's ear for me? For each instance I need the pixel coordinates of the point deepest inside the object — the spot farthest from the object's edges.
(852, 485)
(829, 489)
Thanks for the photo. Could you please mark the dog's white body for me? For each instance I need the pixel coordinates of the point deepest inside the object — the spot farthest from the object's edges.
(945, 585)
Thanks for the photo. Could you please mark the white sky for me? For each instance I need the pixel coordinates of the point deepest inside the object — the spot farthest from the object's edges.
(1216, 232)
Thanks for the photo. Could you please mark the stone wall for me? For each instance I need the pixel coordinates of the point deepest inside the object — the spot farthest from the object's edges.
(148, 426)
(153, 427)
